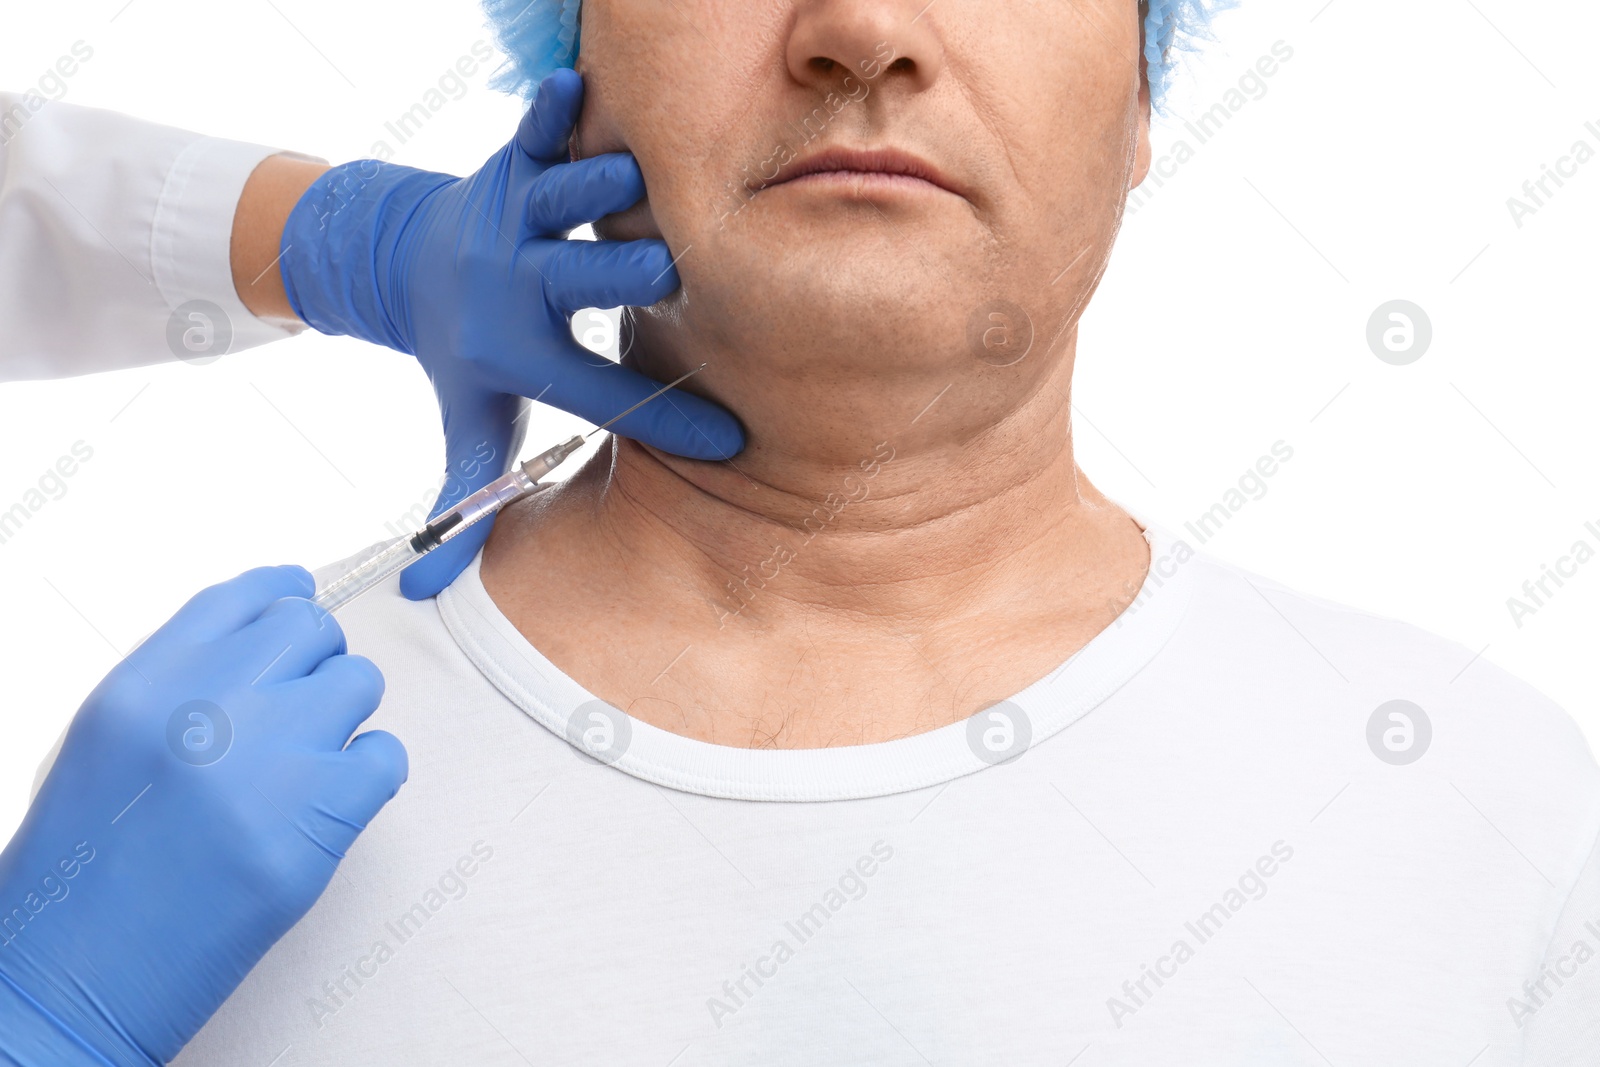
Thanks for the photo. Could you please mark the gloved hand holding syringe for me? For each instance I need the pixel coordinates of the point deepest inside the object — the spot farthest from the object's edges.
(509, 487)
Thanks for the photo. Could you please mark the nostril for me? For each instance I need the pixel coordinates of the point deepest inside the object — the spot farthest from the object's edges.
(822, 64)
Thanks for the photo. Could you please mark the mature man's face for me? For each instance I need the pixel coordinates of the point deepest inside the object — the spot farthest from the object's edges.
(1028, 113)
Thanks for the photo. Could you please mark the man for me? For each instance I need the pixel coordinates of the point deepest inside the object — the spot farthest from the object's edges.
(893, 740)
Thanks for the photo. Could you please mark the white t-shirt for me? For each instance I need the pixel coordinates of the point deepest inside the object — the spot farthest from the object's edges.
(1215, 841)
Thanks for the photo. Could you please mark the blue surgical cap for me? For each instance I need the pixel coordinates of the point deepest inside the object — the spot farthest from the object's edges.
(541, 36)
(1170, 27)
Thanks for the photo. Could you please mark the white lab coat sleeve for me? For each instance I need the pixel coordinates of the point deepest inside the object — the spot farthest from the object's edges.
(108, 225)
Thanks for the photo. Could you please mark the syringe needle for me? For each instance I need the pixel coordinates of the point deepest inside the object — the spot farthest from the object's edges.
(646, 400)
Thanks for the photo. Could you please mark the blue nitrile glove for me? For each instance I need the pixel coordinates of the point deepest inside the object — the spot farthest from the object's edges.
(203, 796)
(476, 278)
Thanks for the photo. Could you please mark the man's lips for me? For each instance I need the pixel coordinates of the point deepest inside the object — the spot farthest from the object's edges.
(874, 165)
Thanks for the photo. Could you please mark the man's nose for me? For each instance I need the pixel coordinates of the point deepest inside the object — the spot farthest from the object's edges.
(881, 41)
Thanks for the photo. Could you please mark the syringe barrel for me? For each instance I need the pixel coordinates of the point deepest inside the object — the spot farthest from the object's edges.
(511, 486)
(366, 574)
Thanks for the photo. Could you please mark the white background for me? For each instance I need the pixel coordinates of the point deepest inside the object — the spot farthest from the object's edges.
(1377, 166)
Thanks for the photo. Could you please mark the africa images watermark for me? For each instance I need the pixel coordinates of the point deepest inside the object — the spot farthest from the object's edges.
(742, 590)
(1537, 192)
(53, 889)
(1135, 595)
(453, 486)
(1252, 485)
(347, 186)
(49, 86)
(340, 990)
(1251, 885)
(1252, 85)
(1537, 592)
(51, 485)
(740, 192)
(1538, 992)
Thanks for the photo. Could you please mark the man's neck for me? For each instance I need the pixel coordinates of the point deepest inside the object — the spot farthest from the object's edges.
(792, 603)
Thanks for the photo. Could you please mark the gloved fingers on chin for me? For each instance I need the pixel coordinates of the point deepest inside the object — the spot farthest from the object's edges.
(604, 274)
(290, 639)
(332, 702)
(570, 194)
(229, 606)
(548, 123)
(677, 421)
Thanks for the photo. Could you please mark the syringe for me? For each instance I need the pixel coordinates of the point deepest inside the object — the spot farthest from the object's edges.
(509, 487)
